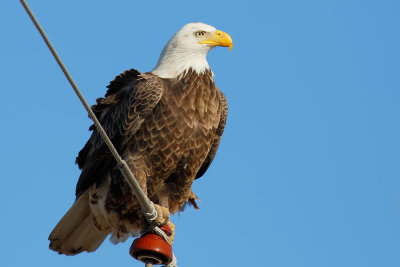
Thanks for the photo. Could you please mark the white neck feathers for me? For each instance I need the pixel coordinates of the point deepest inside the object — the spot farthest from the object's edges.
(173, 62)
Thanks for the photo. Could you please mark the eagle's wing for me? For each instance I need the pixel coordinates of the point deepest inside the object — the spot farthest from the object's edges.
(129, 99)
(217, 138)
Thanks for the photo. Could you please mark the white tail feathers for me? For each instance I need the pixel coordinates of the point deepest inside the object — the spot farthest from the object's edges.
(76, 231)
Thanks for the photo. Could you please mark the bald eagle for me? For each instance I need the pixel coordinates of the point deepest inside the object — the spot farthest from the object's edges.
(166, 124)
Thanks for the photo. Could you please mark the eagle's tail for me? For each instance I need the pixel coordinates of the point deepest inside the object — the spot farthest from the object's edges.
(76, 231)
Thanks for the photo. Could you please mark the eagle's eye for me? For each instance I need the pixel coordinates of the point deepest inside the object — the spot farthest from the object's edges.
(200, 33)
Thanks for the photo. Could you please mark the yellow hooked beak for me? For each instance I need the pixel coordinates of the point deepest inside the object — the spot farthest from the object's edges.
(218, 38)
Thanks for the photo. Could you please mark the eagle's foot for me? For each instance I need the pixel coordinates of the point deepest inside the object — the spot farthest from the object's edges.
(172, 236)
(162, 215)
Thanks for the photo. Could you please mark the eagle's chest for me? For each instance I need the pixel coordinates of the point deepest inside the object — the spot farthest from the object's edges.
(193, 110)
(191, 116)
(180, 130)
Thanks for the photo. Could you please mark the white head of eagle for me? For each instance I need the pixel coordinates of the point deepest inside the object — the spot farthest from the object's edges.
(188, 48)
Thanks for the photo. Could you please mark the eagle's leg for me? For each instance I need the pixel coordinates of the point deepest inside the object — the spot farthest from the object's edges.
(164, 207)
(162, 215)
(142, 179)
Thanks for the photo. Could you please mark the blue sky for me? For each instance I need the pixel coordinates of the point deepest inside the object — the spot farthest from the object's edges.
(307, 173)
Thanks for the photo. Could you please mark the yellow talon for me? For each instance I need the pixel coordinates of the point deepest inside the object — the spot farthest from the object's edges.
(171, 238)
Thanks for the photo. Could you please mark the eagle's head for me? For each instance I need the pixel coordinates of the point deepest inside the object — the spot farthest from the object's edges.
(188, 49)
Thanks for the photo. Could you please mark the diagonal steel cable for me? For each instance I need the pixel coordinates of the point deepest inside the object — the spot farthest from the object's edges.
(147, 206)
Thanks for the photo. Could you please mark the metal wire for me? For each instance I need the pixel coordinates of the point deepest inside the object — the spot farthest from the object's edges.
(147, 206)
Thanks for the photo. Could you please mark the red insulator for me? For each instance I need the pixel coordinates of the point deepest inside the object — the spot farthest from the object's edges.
(152, 248)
